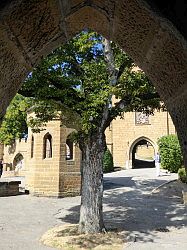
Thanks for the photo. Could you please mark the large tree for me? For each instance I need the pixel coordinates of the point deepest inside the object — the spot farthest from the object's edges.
(78, 80)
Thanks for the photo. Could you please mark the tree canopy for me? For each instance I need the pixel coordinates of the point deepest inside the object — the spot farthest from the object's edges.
(77, 79)
(14, 124)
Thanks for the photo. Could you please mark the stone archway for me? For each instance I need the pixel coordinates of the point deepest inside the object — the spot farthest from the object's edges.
(31, 30)
(141, 153)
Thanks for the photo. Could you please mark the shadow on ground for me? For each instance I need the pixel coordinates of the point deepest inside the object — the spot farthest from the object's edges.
(130, 206)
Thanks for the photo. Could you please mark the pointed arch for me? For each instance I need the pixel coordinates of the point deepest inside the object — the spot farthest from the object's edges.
(18, 161)
(140, 141)
(47, 146)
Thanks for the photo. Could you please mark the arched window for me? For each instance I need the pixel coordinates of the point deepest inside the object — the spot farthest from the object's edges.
(18, 162)
(69, 149)
(32, 146)
(47, 146)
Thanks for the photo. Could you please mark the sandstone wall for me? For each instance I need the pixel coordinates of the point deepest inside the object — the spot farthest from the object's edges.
(56, 176)
(9, 155)
(126, 133)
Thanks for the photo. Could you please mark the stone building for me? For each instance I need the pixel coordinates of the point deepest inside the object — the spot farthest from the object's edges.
(51, 162)
(136, 135)
(153, 33)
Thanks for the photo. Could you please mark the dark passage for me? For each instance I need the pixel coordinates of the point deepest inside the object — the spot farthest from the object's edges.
(143, 155)
(143, 164)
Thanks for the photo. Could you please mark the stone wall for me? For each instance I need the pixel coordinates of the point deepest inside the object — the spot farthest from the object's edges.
(9, 188)
(125, 133)
(9, 155)
(145, 152)
(59, 177)
(56, 176)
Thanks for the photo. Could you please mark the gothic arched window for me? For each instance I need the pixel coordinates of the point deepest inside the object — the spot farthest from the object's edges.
(47, 146)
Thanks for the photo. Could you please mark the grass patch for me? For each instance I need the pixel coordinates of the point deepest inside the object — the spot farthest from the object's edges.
(67, 238)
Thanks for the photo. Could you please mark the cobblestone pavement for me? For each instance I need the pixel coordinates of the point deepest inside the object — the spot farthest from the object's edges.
(155, 220)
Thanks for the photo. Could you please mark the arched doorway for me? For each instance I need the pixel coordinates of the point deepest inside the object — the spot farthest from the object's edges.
(142, 153)
(18, 162)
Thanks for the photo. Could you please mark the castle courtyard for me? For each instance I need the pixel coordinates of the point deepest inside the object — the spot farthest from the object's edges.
(149, 210)
(151, 220)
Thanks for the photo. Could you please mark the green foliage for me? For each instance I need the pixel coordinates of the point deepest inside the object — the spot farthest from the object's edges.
(75, 77)
(14, 124)
(182, 175)
(108, 165)
(170, 152)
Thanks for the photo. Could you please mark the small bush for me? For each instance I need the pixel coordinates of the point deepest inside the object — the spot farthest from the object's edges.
(170, 152)
(182, 175)
(108, 165)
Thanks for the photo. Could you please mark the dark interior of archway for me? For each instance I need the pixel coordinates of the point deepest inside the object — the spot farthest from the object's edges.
(3, 3)
(143, 155)
(174, 10)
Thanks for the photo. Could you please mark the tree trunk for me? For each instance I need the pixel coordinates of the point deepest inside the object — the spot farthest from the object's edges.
(93, 149)
(91, 212)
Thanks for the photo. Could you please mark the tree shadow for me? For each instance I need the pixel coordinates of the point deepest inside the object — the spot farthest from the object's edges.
(143, 214)
(117, 182)
(129, 205)
(131, 182)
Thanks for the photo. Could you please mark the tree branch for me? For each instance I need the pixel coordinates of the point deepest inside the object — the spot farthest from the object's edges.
(122, 105)
(109, 58)
(122, 68)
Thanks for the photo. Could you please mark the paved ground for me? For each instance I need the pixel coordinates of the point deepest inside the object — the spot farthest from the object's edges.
(151, 221)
